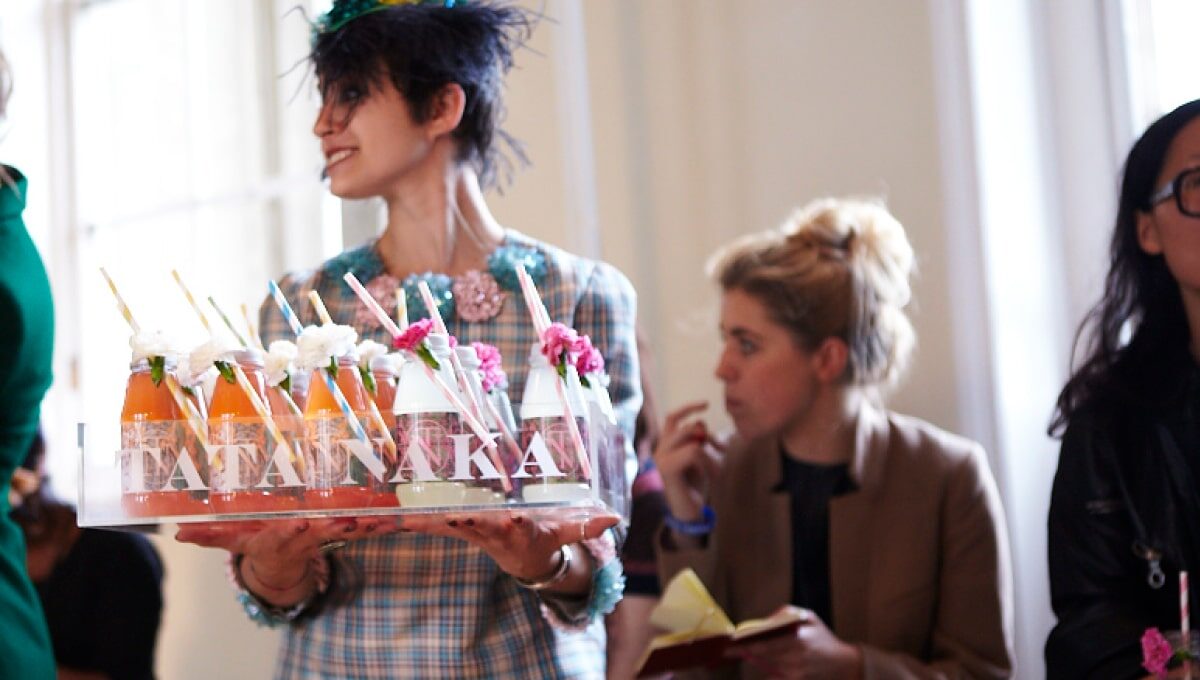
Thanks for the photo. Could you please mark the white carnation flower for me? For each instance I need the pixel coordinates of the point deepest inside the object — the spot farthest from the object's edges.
(186, 377)
(279, 362)
(219, 348)
(368, 350)
(146, 344)
(318, 345)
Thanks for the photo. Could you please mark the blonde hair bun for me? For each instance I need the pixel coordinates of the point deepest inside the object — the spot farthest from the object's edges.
(835, 268)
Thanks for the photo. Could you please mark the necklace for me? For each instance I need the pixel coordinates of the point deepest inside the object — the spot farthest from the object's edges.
(473, 296)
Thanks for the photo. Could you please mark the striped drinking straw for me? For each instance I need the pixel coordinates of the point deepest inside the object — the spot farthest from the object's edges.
(372, 408)
(472, 422)
(293, 322)
(181, 402)
(242, 381)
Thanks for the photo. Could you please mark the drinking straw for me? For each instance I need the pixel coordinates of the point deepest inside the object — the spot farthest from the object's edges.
(191, 300)
(293, 322)
(440, 326)
(251, 327)
(287, 398)
(181, 402)
(243, 383)
(1185, 623)
(121, 302)
(461, 374)
(228, 323)
(261, 409)
(477, 427)
(401, 308)
(541, 322)
(372, 408)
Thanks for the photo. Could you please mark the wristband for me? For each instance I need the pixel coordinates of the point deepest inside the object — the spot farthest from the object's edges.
(701, 527)
(559, 573)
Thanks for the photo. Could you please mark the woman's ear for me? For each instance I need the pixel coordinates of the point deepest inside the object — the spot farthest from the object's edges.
(446, 110)
(830, 360)
(1147, 234)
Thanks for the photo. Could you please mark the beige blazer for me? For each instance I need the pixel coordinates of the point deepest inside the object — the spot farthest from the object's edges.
(920, 576)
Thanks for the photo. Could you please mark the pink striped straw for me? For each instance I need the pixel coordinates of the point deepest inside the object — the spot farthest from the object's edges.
(440, 326)
(477, 427)
(541, 322)
(1185, 621)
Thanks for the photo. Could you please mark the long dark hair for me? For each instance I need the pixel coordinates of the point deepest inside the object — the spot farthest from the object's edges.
(422, 47)
(1141, 299)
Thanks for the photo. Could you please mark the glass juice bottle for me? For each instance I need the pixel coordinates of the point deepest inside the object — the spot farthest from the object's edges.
(244, 477)
(155, 482)
(344, 473)
(425, 422)
(552, 468)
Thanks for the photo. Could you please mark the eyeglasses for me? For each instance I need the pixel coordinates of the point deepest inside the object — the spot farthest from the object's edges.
(1186, 190)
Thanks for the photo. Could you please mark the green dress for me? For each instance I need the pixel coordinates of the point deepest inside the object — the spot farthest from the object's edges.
(26, 344)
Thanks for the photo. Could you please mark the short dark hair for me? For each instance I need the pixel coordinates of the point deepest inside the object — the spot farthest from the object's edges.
(1140, 295)
(424, 47)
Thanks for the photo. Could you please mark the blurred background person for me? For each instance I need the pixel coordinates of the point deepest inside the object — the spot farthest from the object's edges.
(1125, 510)
(886, 530)
(26, 345)
(101, 590)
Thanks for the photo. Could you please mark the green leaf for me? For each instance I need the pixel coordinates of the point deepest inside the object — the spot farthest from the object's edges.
(157, 370)
(562, 365)
(368, 379)
(286, 384)
(427, 356)
(226, 371)
(584, 381)
(332, 368)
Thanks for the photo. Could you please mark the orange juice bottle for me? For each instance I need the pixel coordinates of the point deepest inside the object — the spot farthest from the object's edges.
(242, 446)
(154, 481)
(337, 478)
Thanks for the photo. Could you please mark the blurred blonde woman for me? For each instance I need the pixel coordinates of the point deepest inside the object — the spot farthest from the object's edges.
(887, 531)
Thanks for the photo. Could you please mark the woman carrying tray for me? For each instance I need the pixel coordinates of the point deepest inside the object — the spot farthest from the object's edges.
(411, 104)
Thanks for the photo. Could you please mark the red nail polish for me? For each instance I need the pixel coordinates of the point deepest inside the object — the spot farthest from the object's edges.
(453, 522)
(470, 522)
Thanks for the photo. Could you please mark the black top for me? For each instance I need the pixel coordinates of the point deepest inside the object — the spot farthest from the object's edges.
(1125, 504)
(103, 603)
(810, 487)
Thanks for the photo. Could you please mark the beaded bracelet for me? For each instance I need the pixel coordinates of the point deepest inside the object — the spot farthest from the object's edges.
(708, 520)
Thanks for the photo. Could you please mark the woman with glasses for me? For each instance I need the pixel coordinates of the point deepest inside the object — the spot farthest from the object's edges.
(1125, 510)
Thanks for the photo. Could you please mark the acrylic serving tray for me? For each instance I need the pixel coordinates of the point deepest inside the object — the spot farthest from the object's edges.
(162, 472)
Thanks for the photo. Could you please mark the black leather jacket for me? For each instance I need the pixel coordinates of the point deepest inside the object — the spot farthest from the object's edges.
(1124, 520)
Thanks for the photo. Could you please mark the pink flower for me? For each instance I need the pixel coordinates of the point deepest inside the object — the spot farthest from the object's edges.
(559, 339)
(590, 360)
(412, 338)
(477, 296)
(1156, 652)
(491, 365)
(453, 341)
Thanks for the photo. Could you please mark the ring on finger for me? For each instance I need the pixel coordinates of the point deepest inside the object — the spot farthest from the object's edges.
(330, 546)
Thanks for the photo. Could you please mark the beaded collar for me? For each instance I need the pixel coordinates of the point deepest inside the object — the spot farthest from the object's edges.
(473, 296)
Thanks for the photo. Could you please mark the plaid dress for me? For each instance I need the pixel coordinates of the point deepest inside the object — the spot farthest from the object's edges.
(438, 607)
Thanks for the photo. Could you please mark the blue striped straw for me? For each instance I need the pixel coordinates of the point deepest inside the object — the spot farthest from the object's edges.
(294, 322)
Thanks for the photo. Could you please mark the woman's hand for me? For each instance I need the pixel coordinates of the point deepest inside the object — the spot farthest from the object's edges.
(523, 546)
(686, 458)
(813, 652)
(277, 553)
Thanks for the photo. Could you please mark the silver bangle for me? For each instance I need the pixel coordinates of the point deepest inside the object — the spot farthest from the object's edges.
(564, 566)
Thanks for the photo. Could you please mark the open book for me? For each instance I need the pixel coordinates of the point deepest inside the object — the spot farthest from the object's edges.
(699, 631)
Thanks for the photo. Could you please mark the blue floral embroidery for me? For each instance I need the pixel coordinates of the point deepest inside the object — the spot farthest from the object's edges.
(503, 261)
(439, 285)
(608, 586)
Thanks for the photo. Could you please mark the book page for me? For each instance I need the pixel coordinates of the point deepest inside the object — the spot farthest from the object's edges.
(687, 608)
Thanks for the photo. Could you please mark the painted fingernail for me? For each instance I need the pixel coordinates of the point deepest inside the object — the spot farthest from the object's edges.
(369, 528)
(351, 526)
(453, 522)
(470, 522)
(518, 520)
